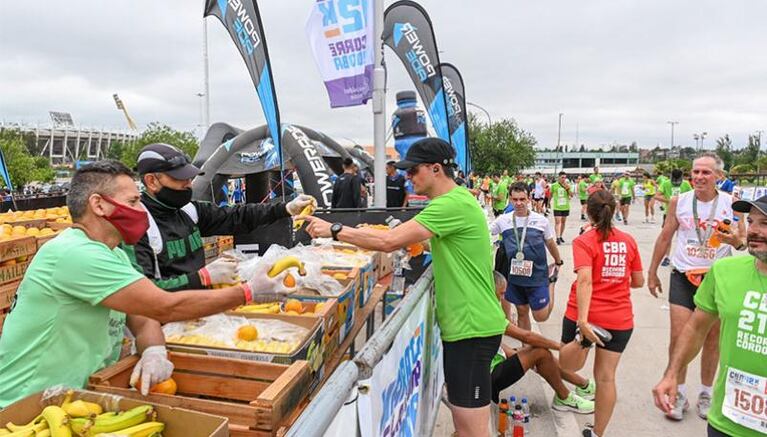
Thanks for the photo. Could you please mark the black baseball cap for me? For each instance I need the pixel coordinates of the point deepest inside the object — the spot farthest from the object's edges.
(164, 158)
(746, 205)
(428, 151)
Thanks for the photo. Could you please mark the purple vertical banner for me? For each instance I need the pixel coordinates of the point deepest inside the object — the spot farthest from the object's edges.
(341, 37)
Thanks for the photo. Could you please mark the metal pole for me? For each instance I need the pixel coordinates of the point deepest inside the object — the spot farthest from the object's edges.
(206, 78)
(379, 108)
(559, 137)
(672, 123)
(487, 114)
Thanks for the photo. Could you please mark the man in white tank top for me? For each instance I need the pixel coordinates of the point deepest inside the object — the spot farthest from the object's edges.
(694, 216)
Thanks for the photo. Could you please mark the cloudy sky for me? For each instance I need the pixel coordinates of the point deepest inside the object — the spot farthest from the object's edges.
(617, 69)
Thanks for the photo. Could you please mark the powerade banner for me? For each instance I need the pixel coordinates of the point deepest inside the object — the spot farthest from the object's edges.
(341, 36)
(243, 22)
(455, 94)
(408, 31)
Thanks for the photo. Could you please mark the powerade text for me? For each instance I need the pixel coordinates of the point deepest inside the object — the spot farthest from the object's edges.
(245, 27)
(416, 56)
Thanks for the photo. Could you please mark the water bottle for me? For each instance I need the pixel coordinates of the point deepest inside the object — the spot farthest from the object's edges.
(398, 279)
(512, 402)
(526, 415)
(723, 227)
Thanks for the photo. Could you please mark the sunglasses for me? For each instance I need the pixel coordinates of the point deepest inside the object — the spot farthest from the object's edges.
(414, 169)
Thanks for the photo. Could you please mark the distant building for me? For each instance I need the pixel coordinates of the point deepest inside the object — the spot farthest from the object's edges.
(584, 162)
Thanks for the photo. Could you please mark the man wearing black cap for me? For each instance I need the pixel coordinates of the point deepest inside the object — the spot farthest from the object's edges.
(469, 315)
(396, 194)
(171, 253)
(734, 293)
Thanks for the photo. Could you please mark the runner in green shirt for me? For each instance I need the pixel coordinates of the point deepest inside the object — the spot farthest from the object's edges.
(649, 187)
(626, 194)
(470, 319)
(734, 292)
(560, 195)
(80, 285)
(583, 194)
(500, 196)
(596, 176)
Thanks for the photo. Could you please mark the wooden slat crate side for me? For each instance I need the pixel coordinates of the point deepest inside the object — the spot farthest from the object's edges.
(281, 398)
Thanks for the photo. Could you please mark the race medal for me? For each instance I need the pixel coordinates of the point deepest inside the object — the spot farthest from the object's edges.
(520, 256)
(521, 268)
(745, 399)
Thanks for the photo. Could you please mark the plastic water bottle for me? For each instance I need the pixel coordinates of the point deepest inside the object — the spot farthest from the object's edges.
(503, 411)
(526, 415)
(512, 402)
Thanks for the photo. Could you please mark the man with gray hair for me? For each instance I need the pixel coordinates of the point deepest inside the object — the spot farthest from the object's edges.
(80, 285)
(694, 217)
(734, 295)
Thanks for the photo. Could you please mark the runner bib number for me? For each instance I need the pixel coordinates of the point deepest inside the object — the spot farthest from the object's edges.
(745, 399)
(695, 250)
(625, 190)
(562, 198)
(521, 268)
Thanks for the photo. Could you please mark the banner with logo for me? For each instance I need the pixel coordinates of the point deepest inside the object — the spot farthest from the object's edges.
(393, 400)
(408, 31)
(455, 94)
(243, 22)
(341, 36)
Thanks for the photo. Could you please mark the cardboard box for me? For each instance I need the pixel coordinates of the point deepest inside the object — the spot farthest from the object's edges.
(254, 396)
(8, 295)
(346, 301)
(328, 312)
(179, 422)
(13, 272)
(385, 264)
(391, 301)
(17, 247)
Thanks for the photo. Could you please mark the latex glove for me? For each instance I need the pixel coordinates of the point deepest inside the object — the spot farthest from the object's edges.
(261, 283)
(153, 368)
(298, 204)
(221, 271)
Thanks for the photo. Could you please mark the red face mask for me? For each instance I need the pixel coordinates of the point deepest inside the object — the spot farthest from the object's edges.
(131, 223)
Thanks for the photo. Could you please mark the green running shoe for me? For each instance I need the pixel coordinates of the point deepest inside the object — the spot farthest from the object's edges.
(573, 403)
(589, 392)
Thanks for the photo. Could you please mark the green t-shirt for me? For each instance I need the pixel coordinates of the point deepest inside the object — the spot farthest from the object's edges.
(57, 333)
(595, 177)
(560, 197)
(583, 190)
(661, 179)
(626, 187)
(501, 191)
(668, 190)
(462, 258)
(735, 291)
(649, 188)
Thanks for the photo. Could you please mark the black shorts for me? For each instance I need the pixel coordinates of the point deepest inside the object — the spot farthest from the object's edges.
(584, 201)
(561, 213)
(649, 197)
(505, 374)
(467, 364)
(681, 291)
(625, 201)
(713, 432)
(617, 344)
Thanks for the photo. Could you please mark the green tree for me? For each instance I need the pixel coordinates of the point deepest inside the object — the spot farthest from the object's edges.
(499, 146)
(665, 167)
(750, 153)
(724, 150)
(23, 168)
(155, 133)
(742, 168)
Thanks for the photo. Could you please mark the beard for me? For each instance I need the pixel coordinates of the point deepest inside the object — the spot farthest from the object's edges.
(761, 255)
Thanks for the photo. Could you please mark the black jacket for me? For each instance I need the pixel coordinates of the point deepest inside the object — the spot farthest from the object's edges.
(182, 254)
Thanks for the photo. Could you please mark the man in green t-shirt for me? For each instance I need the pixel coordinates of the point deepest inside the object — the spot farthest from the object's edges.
(560, 195)
(500, 193)
(470, 319)
(59, 329)
(734, 292)
(626, 194)
(596, 176)
(583, 194)
(666, 190)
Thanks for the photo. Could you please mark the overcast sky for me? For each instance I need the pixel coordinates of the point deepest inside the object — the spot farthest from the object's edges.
(617, 69)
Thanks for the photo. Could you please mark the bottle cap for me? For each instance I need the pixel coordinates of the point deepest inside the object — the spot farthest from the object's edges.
(524, 400)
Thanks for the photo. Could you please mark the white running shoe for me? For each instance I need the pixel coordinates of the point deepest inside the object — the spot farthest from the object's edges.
(704, 404)
(680, 406)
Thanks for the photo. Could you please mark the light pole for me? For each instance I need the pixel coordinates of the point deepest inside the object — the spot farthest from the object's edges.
(559, 138)
(487, 114)
(699, 140)
(672, 123)
(759, 138)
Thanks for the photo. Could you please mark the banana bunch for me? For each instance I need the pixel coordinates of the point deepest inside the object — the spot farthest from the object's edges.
(285, 263)
(308, 210)
(86, 419)
(261, 308)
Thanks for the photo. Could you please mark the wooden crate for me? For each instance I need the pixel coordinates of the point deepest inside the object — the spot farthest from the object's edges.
(30, 223)
(257, 397)
(58, 226)
(17, 247)
(13, 272)
(8, 294)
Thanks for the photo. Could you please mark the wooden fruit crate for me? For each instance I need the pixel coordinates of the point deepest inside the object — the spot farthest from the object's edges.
(258, 398)
(17, 247)
(13, 272)
(7, 295)
(58, 226)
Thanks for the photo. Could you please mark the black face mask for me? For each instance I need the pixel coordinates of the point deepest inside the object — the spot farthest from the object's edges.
(174, 198)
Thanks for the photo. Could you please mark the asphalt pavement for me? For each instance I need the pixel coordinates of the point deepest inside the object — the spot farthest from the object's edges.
(641, 365)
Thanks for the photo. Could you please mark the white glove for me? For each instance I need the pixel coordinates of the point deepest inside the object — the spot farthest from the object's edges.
(221, 271)
(154, 367)
(298, 204)
(261, 283)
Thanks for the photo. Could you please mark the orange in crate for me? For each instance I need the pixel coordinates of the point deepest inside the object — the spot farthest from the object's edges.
(294, 305)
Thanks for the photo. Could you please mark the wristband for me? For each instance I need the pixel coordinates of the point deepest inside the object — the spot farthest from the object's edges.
(741, 246)
(247, 292)
(560, 263)
(205, 277)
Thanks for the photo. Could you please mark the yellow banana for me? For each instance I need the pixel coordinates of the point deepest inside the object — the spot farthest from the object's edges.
(58, 421)
(37, 427)
(44, 433)
(28, 432)
(14, 428)
(125, 419)
(146, 429)
(308, 210)
(79, 408)
(286, 263)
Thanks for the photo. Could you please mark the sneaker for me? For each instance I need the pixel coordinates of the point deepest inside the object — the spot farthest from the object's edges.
(680, 406)
(600, 332)
(589, 392)
(704, 404)
(573, 403)
(583, 217)
(666, 262)
(588, 431)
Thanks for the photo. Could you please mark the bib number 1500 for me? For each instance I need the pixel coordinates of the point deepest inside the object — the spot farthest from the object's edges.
(750, 402)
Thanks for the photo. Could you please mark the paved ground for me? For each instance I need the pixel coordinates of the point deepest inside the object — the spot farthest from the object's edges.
(641, 365)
